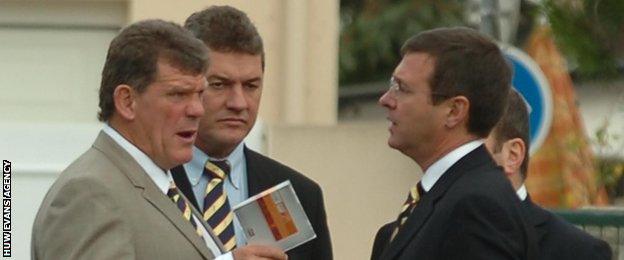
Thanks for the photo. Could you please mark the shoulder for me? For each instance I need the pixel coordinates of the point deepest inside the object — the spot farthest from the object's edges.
(570, 241)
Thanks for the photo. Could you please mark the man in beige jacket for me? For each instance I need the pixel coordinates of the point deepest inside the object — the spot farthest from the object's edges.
(116, 201)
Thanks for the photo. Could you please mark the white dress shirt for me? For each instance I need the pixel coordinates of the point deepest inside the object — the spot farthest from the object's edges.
(162, 180)
(235, 185)
(522, 192)
(437, 169)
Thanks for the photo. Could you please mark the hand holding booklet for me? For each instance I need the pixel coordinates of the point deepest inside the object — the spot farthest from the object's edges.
(275, 217)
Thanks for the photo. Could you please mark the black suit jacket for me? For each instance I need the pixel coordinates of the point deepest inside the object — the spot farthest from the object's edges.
(472, 212)
(558, 239)
(264, 173)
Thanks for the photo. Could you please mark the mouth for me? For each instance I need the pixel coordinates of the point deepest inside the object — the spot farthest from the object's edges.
(392, 124)
(187, 136)
(233, 121)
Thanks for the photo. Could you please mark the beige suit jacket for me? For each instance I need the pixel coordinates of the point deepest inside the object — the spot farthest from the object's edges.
(105, 206)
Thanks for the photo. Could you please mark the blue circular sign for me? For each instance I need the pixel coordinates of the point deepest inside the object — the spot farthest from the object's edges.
(529, 80)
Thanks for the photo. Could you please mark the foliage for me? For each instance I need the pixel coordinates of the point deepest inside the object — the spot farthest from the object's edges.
(610, 160)
(372, 32)
(590, 33)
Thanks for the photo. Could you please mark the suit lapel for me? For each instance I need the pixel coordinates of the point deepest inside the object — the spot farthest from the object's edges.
(181, 180)
(410, 228)
(258, 178)
(139, 178)
(426, 205)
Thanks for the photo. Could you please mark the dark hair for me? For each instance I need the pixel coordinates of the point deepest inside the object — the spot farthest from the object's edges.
(466, 64)
(514, 124)
(134, 53)
(226, 29)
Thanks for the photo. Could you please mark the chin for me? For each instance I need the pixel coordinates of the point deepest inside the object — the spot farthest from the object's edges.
(393, 143)
(183, 157)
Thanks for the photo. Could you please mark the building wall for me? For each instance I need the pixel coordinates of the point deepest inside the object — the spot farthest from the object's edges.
(52, 53)
(301, 45)
(364, 182)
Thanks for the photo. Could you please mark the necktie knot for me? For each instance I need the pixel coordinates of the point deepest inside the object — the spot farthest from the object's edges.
(217, 169)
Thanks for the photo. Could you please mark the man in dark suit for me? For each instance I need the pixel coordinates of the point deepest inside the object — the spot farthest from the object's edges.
(509, 145)
(445, 95)
(231, 102)
(116, 201)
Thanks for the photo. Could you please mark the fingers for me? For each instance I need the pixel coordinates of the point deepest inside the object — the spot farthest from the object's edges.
(258, 252)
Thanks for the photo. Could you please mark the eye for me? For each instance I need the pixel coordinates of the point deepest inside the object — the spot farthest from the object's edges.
(401, 87)
(218, 85)
(178, 94)
(252, 86)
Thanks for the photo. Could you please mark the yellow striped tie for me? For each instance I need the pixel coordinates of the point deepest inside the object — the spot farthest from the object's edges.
(217, 211)
(184, 206)
(410, 203)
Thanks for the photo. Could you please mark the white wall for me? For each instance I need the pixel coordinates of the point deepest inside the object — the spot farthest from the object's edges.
(51, 57)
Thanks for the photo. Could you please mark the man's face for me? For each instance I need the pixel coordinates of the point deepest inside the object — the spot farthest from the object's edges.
(231, 101)
(166, 116)
(415, 121)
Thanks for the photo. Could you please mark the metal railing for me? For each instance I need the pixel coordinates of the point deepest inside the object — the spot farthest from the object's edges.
(606, 223)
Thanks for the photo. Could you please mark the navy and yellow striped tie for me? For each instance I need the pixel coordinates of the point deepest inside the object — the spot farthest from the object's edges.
(412, 199)
(217, 211)
(184, 206)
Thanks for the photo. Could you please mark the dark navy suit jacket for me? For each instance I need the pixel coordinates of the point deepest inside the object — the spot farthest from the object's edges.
(472, 212)
(264, 173)
(558, 239)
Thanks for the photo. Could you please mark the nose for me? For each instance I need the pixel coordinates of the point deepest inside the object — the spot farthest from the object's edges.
(236, 98)
(386, 101)
(195, 107)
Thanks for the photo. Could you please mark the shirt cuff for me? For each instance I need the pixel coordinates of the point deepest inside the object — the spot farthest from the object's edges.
(226, 256)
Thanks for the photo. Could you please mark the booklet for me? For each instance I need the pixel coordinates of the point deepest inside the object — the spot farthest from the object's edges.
(275, 217)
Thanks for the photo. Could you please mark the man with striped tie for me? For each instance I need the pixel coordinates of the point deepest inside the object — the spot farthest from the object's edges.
(445, 96)
(118, 200)
(224, 172)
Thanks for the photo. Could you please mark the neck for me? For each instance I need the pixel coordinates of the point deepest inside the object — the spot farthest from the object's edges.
(126, 131)
(446, 146)
(516, 180)
(217, 151)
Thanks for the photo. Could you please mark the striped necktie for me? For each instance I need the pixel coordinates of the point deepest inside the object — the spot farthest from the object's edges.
(412, 199)
(174, 194)
(217, 211)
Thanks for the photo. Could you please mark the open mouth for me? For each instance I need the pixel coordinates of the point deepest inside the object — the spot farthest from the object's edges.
(187, 134)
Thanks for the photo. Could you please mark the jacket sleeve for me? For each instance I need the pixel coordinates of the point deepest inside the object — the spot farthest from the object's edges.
(82, 221)
(322, 246)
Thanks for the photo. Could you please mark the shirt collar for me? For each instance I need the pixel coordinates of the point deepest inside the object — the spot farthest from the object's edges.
(161, 178)
(522, 192)
(437, 169)
(236, 158)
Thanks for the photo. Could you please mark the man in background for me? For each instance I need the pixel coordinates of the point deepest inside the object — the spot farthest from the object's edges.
(509, 145)
(224, 172)
(445, 96)
(118, 199)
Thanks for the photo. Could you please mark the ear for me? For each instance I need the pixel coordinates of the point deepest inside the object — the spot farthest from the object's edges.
(513, 155)
(124, 98)
(458, 111)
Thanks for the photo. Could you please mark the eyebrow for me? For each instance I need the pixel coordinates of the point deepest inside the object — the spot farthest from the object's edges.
(230, 80)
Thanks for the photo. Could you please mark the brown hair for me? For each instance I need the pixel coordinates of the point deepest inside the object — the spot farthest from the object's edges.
(466, 64)
(134, 53)
(226, 29)
(514, 124)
